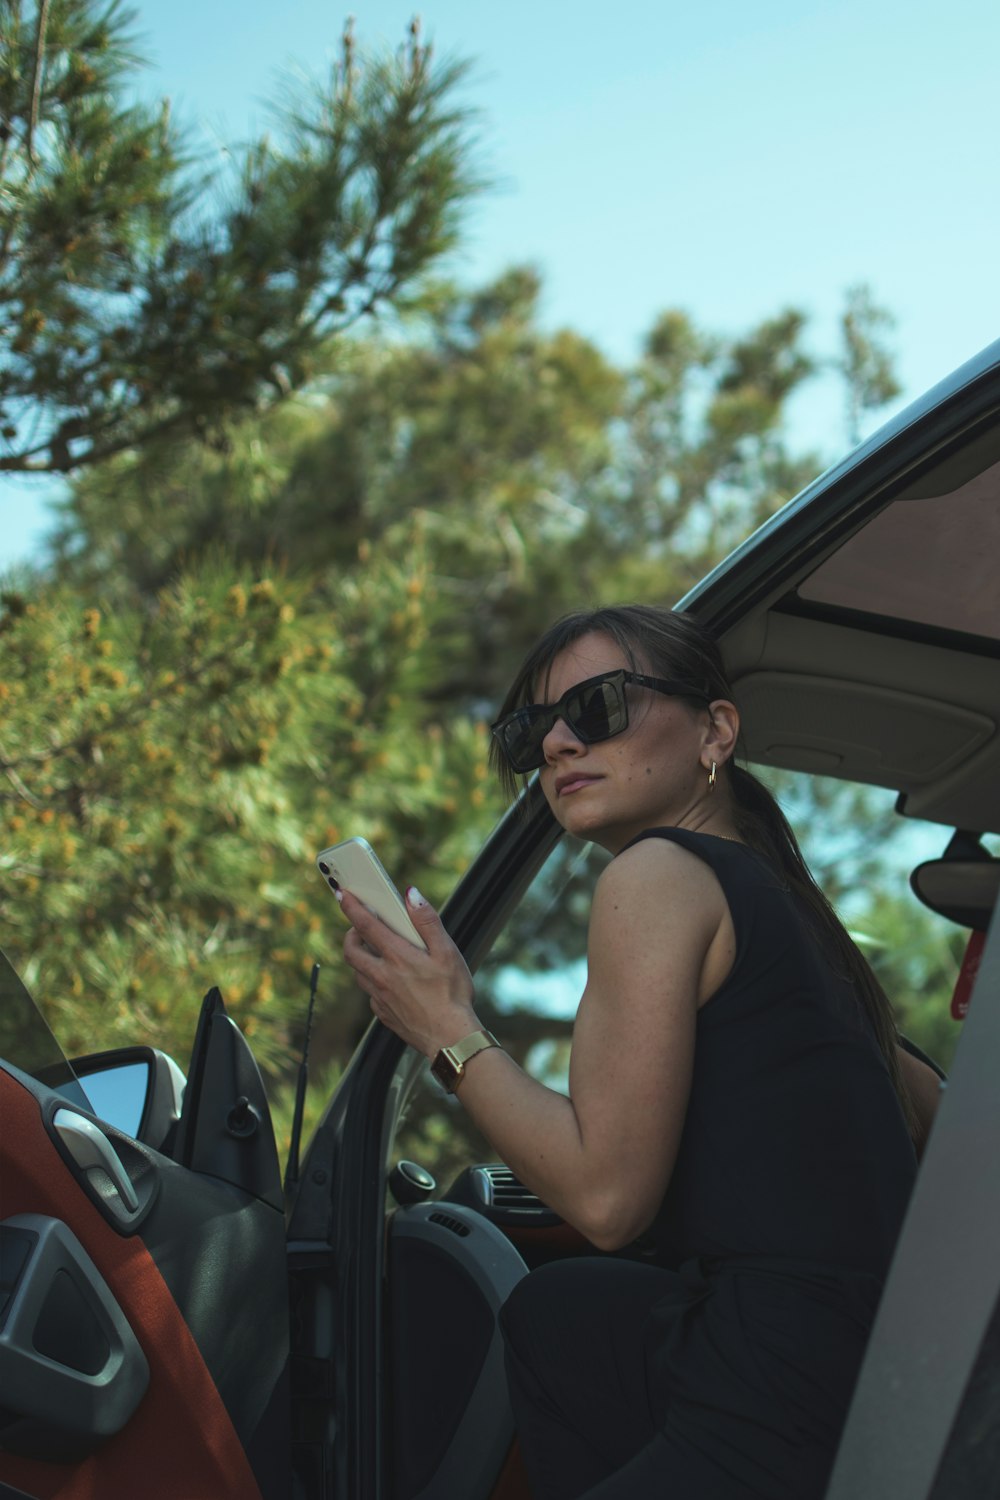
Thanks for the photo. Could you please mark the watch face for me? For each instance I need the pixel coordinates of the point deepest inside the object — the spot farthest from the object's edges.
(445, 1071)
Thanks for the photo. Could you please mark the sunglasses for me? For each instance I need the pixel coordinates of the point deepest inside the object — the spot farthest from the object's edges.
(594, 710)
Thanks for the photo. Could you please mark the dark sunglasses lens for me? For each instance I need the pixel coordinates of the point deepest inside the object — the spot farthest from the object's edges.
(596, 710)
(523, 734)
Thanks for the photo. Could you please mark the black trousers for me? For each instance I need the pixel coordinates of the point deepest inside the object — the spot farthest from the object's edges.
(577, 1377)
(601, 1416)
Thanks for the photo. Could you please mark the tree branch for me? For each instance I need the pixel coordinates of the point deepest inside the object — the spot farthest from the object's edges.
(20, 463)
(15, 780)
(36, 80)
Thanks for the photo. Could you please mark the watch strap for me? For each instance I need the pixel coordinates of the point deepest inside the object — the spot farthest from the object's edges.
(448, 1066)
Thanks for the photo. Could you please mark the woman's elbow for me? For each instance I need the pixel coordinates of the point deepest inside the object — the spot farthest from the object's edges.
(611, 1222)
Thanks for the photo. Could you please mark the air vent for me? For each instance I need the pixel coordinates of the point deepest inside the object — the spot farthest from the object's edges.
(492, 1189)
(504, 1190)
(447, 1222)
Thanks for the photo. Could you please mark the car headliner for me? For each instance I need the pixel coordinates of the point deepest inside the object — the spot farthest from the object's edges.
(861, 624)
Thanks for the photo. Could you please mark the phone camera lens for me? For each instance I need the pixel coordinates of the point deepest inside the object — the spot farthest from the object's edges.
(333, 884)
(325, 868)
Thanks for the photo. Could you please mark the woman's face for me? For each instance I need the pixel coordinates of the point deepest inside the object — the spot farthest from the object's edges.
(654, 774)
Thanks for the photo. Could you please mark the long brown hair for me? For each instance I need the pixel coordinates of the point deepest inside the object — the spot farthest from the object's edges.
(675, 645)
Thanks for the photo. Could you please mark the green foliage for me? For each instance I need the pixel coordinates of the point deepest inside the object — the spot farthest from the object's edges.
(866, 363)
(477, 409)
(128, 311)
(477, 427)
(579, 481)
(917, 958)
(171, 770)
(698, 457)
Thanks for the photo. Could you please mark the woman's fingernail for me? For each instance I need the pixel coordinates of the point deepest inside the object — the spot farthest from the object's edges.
(339, 897)
(414, 897)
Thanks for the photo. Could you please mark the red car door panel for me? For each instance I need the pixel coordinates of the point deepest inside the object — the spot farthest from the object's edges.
(184, 1289)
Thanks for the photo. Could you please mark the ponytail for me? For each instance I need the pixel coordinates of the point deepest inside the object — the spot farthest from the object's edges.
(762, 825)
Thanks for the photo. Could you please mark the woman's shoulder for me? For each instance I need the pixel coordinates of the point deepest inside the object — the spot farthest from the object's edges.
(649, 872)
(729, 858)
(712, 866)
(663, 849)
(696, 840)
(659, 907)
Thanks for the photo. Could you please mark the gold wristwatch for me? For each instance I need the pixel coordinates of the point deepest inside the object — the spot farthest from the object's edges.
(449, 1065)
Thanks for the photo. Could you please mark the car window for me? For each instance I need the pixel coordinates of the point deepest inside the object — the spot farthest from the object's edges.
(26, 1041)
(527, 991)
(861, 853)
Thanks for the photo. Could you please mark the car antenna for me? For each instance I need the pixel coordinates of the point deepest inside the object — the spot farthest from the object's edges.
(292, 1169)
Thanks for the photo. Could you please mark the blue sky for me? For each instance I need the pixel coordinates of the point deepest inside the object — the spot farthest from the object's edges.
(724, 158)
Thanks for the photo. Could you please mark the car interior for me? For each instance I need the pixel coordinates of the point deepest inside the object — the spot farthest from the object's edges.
(874, 658)
(882, 664)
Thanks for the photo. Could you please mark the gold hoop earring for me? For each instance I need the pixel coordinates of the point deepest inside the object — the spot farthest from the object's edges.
(711, 778)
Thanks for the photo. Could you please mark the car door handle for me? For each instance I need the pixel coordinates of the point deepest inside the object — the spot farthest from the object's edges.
(89, 1147)
(71, 1368)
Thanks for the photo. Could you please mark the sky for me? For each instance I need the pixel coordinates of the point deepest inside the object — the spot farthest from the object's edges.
(725, 158)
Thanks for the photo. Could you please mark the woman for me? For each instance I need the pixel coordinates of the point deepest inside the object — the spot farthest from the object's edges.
(739, 1118)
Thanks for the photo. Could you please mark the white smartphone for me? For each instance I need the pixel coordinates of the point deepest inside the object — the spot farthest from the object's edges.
(355, 866)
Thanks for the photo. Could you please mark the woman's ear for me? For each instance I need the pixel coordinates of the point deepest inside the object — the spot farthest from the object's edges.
(723, 731)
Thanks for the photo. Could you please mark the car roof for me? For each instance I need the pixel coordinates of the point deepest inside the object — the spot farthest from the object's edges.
(861, 624)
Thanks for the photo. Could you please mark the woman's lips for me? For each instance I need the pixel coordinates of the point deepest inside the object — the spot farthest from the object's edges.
(567, 784)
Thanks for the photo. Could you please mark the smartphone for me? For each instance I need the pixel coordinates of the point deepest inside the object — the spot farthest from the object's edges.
(355, 866)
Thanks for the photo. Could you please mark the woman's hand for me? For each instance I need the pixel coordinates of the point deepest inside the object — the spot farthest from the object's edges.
(424, 997)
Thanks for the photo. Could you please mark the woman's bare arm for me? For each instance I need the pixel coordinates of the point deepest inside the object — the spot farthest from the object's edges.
(601, 1157)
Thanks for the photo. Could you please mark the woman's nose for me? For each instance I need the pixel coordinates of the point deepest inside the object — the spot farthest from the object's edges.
(560, 740)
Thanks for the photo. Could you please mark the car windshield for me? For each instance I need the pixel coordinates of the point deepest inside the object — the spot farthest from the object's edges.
(26, 1041)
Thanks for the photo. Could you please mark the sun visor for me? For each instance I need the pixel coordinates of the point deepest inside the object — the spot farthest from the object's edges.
(849, 729)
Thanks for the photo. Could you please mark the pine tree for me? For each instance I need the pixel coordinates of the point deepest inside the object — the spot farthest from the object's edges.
(130, 307)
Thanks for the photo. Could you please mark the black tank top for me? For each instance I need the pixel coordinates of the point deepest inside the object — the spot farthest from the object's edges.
(794, 1143)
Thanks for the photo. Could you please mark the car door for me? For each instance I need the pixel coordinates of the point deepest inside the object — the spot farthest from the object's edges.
(342, 1418)
(143, 1296)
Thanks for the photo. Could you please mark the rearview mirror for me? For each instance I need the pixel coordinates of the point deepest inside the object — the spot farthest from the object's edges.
(962, 889)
